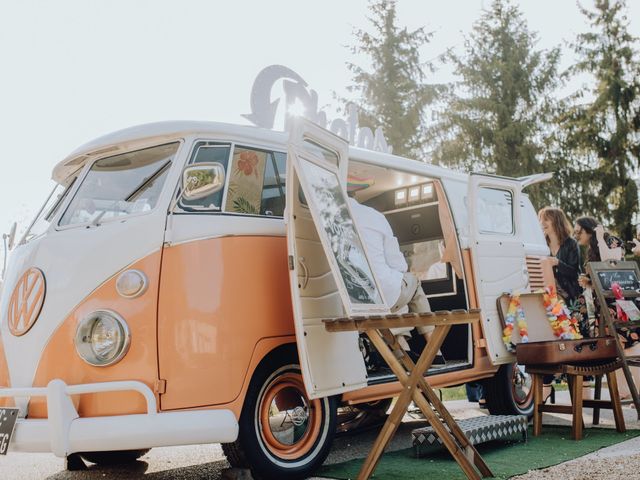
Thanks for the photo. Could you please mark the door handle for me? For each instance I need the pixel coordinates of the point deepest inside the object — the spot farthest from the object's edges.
(305, 272)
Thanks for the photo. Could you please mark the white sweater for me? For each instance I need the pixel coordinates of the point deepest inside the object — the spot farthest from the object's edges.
(383, 249)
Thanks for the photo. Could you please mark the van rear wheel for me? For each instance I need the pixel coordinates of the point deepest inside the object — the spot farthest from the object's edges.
(283, 433)
(114, 458)
(509, 391)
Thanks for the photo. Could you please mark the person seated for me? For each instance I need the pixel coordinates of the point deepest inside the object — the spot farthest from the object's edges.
(402, 289)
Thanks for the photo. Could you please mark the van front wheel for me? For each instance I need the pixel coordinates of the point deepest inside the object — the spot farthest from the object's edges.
(283, 434)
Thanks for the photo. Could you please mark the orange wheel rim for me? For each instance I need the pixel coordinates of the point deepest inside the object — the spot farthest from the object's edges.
(292, 382)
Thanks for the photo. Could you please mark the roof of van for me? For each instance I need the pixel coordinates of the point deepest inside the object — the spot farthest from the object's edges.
(140, 135)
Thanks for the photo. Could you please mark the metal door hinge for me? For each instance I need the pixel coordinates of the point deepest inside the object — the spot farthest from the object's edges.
(161, 386)
(291, 264)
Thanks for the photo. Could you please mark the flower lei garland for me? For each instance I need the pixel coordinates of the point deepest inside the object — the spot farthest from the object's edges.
(564, 326)
(515, 314)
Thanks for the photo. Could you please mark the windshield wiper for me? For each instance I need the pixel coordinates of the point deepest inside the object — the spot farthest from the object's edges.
(145, 182)
(134, 193)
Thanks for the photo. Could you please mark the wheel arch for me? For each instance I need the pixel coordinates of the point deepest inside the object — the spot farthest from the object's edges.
(264, 350)
(257, 446)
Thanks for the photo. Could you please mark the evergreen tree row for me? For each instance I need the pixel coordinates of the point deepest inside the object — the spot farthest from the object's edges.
(504, 114)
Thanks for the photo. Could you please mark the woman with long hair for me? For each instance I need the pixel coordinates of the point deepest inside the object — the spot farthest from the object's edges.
(587, 232)
(565, 260)
(564, 250)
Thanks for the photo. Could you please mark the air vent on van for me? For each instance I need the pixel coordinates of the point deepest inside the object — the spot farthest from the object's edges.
(536, 274)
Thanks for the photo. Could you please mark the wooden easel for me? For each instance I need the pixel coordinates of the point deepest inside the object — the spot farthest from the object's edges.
(609, 269)
(416, 388)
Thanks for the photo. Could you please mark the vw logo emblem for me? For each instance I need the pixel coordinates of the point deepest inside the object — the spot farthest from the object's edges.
(299, 416)
(26, 302)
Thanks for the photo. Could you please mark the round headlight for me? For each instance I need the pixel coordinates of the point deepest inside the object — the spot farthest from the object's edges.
(102, 338)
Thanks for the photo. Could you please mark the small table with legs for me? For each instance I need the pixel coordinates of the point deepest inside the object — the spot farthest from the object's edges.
(415, 387)
(575, 374)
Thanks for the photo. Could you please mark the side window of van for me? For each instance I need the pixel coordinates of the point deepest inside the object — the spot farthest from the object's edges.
(273, 199)
(256, 182)
(208, 152)
(495, 211)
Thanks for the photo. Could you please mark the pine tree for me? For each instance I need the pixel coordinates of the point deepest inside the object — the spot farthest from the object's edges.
(498, 117)
(392, 95)
(602, 126)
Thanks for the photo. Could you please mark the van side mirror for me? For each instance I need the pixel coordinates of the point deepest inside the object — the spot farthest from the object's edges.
(201, 180)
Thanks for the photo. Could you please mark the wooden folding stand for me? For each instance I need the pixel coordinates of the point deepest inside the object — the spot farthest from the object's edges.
(602, 274)
(416, 388)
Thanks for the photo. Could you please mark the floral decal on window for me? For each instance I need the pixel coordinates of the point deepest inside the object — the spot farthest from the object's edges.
(246, 182)
(247, 163)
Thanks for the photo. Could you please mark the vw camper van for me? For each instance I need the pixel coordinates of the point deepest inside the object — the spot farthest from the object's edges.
(172, 288)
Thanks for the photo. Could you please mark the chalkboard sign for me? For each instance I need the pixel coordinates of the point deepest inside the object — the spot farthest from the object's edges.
(341, 240)
(627, 279)
(604, 274)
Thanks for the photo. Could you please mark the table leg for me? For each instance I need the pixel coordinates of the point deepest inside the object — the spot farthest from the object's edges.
(612, 383)
(537, 403)
(397, 413)
(576, 430)
(433, 399)
(597, 395)
(411, 381)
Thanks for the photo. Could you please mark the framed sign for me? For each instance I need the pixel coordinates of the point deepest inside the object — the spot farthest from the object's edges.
(345, 251)
(604, 274)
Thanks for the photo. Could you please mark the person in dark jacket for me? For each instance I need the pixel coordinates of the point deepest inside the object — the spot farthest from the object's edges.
(565, 252)
(565, 259)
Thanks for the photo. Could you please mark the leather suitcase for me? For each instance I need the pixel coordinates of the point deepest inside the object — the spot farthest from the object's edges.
(586, 350)
(544, 348)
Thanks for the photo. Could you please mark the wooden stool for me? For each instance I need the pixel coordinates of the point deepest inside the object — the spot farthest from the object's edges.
(575, 374)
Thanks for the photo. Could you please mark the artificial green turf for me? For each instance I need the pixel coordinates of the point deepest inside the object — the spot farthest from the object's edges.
(505, 458)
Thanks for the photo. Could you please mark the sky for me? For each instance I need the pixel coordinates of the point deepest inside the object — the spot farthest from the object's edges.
(73, 70)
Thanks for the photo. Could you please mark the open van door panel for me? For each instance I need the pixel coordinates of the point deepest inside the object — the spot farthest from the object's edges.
(330, 274)
(534, 179)
(497, 249)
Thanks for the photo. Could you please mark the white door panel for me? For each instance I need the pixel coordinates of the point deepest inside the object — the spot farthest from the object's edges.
(498, 252)
(331, 362)
(497, 260)
(337, 364)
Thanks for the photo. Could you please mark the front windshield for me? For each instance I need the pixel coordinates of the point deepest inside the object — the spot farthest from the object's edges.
(48, 210)
(121, 185)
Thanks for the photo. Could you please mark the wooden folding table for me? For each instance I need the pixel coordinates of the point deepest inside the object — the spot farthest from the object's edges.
(415, 387)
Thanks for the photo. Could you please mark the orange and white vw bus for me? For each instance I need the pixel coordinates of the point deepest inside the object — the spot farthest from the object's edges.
(172, 287)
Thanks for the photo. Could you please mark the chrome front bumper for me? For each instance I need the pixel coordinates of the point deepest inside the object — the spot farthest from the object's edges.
(64, 432)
